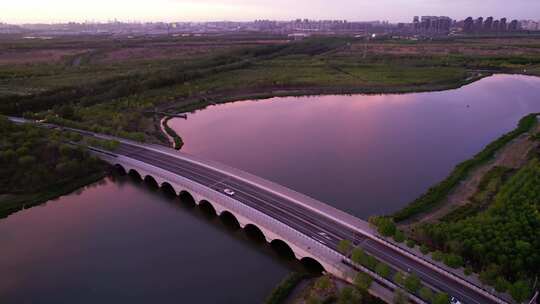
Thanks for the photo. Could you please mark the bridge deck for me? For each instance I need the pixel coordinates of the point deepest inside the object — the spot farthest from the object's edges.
(298, 211)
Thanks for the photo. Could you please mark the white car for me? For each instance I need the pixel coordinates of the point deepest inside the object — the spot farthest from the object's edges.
(229, 192)
(454, 301)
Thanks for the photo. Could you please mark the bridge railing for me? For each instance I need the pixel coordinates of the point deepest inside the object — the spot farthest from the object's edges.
(270, 224)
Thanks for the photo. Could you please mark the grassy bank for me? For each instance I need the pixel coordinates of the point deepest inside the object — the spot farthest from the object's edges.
(14, 203)
(38, 164)
(190, 73)
(178, 142)
(434, 196)
(284, 289)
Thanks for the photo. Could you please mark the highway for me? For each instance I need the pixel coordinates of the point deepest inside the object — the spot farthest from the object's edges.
(316, 226)
(312, 224)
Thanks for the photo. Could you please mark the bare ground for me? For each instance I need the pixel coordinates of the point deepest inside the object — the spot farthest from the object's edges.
(514, 156)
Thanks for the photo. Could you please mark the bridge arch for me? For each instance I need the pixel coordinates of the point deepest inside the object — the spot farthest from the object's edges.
(207, 207)
(283, 249)
(151, 181)
(312, 265)
(168, 189)
(186, 198)
(135, 174)
(254, 233)
(229, 219)
(120, 169)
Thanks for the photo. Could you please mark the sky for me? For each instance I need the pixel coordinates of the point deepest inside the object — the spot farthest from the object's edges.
(51, 11)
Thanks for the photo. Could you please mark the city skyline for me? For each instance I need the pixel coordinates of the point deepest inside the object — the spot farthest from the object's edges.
(56, 11)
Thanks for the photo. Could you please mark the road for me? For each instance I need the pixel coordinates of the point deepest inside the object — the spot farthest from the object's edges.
(310, 223)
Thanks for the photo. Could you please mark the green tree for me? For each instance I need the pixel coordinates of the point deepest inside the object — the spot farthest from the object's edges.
(411, 243)
(349, 295)
(453, 261)
(358, 255)
(26, 160)
(399, 236)
(385, 226)
(412, 283)
(399, 278)
(345, 247)
(437, 256)
(426, 294)
(362, 281)
(501, 285)
(424, 249)
(312, 299)
(441, 298)
(323, 284)
(383, 270)
(370, 262)
(520, 291)
(400, 297)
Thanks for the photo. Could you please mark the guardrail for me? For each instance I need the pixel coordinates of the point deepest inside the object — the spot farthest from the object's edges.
(381, 280)
(373, 236)
(437, 268)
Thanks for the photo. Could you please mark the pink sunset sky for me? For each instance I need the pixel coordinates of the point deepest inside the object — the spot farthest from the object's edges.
(27, 11)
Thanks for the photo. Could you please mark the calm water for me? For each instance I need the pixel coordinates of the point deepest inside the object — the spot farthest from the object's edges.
(363, 154)
(119, 241)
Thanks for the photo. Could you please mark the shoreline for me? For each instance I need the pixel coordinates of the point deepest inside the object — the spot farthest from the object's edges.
(198, 102)
(430, 200)
(18, 203)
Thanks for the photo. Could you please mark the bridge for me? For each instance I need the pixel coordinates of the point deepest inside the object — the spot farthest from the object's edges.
(310, 228)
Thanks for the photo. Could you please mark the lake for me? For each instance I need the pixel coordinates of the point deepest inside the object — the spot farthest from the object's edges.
(120, 241)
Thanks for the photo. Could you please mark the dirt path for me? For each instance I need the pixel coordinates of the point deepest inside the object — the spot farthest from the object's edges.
(513, 155)
(162, 123)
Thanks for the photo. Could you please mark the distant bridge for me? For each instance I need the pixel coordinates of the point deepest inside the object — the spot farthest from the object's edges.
(310, 228)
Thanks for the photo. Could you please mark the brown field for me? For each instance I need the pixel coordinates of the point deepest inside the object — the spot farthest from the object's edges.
(17, 57)
(480, 47)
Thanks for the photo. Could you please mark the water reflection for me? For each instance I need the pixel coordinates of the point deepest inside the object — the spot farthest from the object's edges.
(122, 241)
(363, 154)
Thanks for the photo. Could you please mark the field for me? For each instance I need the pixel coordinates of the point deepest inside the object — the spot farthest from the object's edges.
(114, 83)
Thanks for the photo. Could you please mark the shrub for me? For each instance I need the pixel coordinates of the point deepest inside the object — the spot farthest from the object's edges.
(501, 285)
(424, 249)
(437, 256)
(26, 160)
(280, 293)
(453, 260)
(358, 256)
(399, 278)
(399, 236)
(412, 283)
(520, 291)
(362, 281)
(426, 294)
(345, 247)
(441, 298)
(349, 295)
(385, 226)
(383, 270)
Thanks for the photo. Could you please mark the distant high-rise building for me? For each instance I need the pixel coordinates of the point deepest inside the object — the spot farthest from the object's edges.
(488, 24)
(502, 25)
(529, 25)
(434, 24)
(495, 26)
(416, 22)
(478, 24)
(513, 26)
(468, 25)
